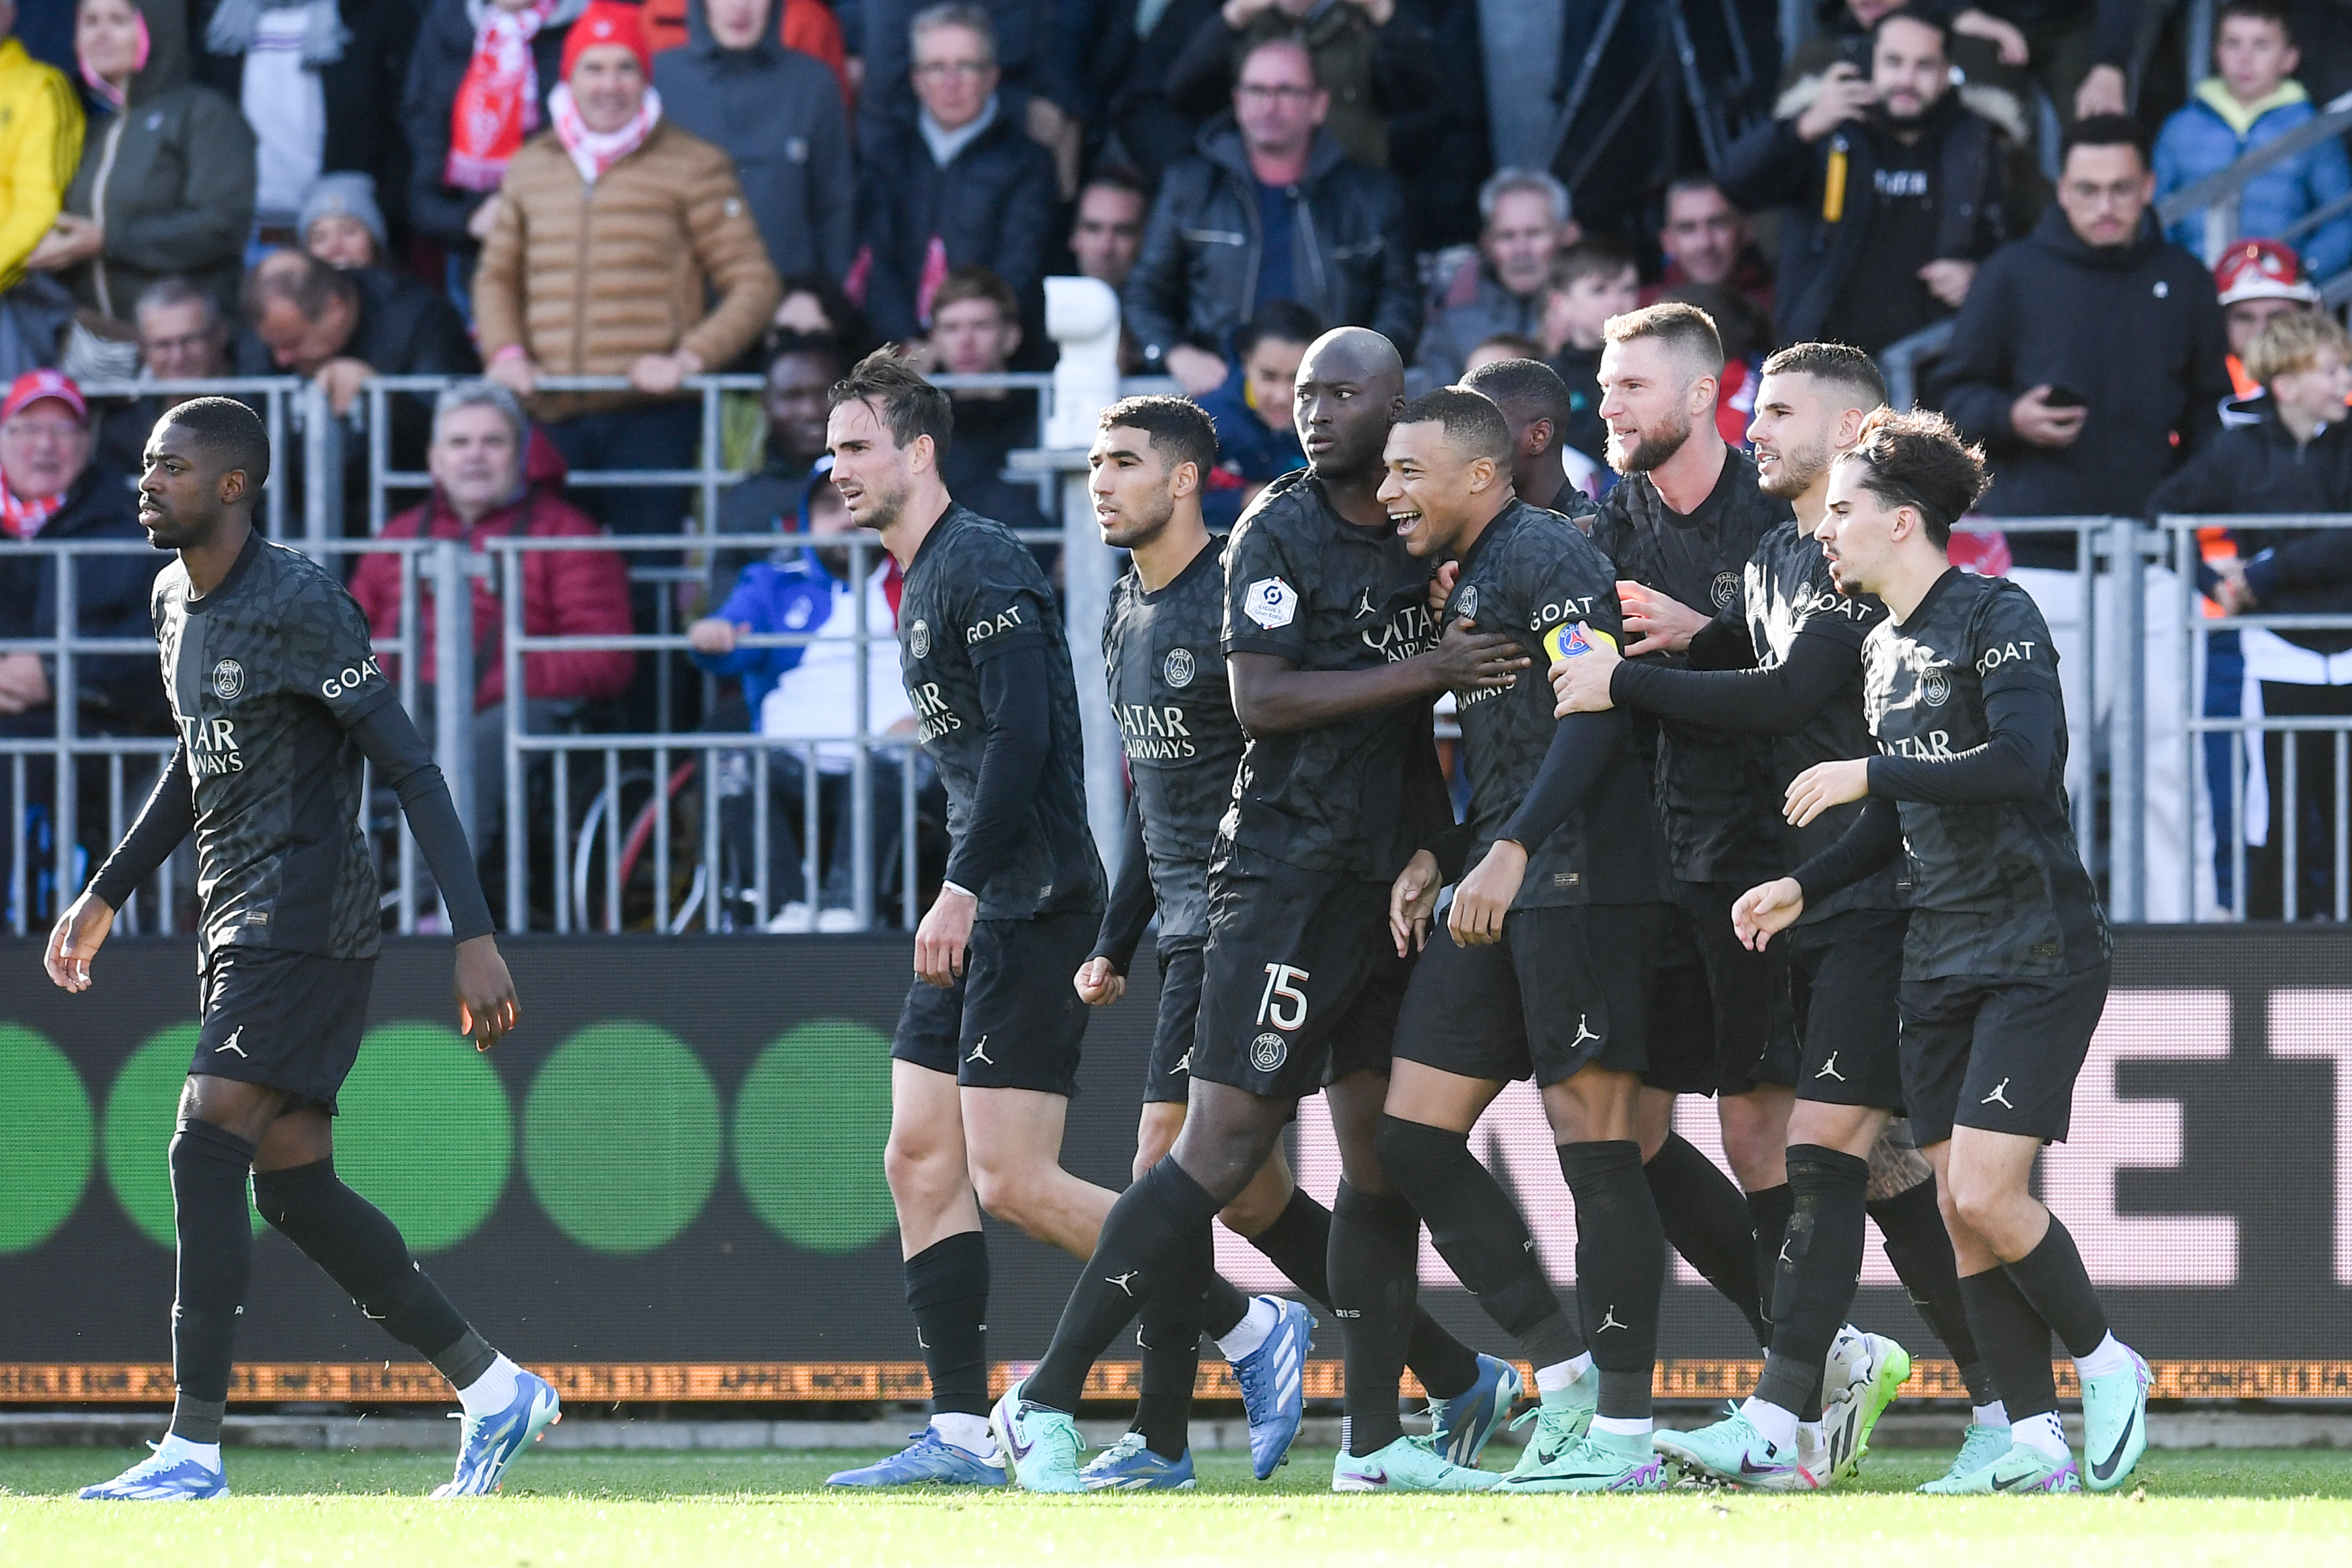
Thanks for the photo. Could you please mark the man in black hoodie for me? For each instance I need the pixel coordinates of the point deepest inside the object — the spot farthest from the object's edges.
(2090, 360)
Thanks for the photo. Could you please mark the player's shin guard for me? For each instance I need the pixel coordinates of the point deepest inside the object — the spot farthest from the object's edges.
(1375, 1278)
(2015, 1340)
(1155, 1240)
(1480, 1234)
(1707, 1222)
(1921, 1247)
(947, 1292)
(1621, 1263)
(1298, 1243)
(2054, 1281)
(208, 1168)
(363, 1251)
(1819, 1261)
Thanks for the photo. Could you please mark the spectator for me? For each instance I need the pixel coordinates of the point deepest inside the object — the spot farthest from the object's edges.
(631, 293)
(319, 83)
(341, 225)
(1257, 441)
(51, 490)
(1022, 49)
(801, 369)
(183, 336)
(483, 488)
(166, 189)
(1592, 280)
(1135, 45)
(478, 86)
(2088, 360)
(1313, 226)
(816, 306)
(1107, 233)
(2254, 100)
(1526, 224)
(2080, 50)
(2296, 458)
(1364, 54)
(1893, 192)
(1501, 346)
(775, 111)
(339, 327)
(41, 145)
(975, 332)
(1534, 402)
(2257, 282)
(960, 185)
(809, 693)
(806, 26)
(1704, 239)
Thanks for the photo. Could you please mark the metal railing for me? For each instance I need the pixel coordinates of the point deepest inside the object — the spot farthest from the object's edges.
(2218, 194)
(289, 405)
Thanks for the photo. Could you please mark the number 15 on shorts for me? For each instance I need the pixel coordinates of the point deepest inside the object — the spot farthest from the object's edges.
(1284, 1003)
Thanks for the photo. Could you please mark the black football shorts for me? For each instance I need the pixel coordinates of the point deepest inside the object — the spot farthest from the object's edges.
(289, 1020)
(1014, 1021)
(1168, 1077)
(1998, 1052)
(1565, 988)
(1845, 974)
(1720, 1018)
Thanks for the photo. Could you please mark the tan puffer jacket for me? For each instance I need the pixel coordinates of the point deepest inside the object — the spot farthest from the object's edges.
(586, 279)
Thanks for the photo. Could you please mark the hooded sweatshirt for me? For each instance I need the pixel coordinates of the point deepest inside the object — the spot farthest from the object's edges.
(169, 177)
(775, 113)
(2134, 328)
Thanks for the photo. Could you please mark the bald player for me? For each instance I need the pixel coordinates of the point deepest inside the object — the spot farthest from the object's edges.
(1334, 659)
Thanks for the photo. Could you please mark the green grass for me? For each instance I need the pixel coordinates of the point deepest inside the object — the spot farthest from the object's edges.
(2279, 1508)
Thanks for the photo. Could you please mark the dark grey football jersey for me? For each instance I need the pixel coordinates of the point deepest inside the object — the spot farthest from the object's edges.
(1177, 726)
(1790, 594)
(1533, 575)
(1714, 790)
(1997, 887)
(266, 674)
(1359, 796)
(973, 591)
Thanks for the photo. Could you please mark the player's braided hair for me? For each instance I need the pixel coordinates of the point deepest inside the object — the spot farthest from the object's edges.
(897, 391)
(227, 433)
(1918, 460)
(1180, 432)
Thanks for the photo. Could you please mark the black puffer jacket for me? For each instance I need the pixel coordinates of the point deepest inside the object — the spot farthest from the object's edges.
(992, 206)
(1196, 279)
(111, 592)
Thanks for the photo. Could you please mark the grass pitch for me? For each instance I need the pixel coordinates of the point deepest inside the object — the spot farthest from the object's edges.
(2278, 1509)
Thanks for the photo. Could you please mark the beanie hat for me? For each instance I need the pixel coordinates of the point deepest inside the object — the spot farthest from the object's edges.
(608, 22)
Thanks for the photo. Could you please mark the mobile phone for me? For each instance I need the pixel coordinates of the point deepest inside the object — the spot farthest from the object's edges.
(2061, 395)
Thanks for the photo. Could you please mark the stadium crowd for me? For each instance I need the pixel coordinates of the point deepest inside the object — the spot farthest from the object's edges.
(515, 190)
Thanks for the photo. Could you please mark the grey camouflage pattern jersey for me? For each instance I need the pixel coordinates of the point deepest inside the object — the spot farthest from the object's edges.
(266, 674)
(1359, 796)
(1996, 888)
(1176, 724)
(1714, 790)
(973, 591)
(1533, 575)
(1790, 593)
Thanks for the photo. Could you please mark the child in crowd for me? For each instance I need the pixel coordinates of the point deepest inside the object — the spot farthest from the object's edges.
(1255, 442)
(1592, 280)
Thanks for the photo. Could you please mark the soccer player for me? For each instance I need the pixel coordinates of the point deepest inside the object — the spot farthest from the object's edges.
(2005, 961)
(1333, 659)
(1786, 661)
(1681, 526)
(1543, 969)
(1535, 403)
(1183, 747)
(274, 685)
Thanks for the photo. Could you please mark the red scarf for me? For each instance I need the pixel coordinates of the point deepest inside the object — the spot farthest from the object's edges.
(594, 151)
(498, 99)
(24, 520)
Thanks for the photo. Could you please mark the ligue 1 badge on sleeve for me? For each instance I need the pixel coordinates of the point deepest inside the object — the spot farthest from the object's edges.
(1271, 602)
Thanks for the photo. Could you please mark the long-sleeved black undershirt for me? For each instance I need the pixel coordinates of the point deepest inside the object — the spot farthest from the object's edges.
(1132, 901)
(1013, 704)
(1746, 701)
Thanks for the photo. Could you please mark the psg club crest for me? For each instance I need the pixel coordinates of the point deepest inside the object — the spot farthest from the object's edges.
(1179, 669)
(1268, 1051)
(919, 638)
(1936, 687)
(228, 680)
(1727, 588)
(1466, 606)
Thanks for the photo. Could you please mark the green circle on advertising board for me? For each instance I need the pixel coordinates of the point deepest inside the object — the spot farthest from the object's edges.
(45, 1159)
(426, 1133)
(621, 1137)
(142, 1109)
(809, 1125)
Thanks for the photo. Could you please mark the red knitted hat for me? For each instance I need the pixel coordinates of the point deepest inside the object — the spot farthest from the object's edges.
(608, 22)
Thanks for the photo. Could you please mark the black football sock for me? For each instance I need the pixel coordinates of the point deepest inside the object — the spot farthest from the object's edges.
(2015, 1342)
(1480, 1234)
(1621, 1264)
(208, 1169)
(1169, 1338)
(1819, 1262)
(1706, 1221)
(363, 1251)
(2054, 1281)
(1223, 1306)
(1156, 1238)
(947, 1291)
(1768, 1209)
(1298, 1243)
(1921, 1247)
(1375, 1281)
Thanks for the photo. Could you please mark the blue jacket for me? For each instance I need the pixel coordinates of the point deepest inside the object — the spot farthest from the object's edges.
(786, 593)
(2214, 131)
(1249, 452)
